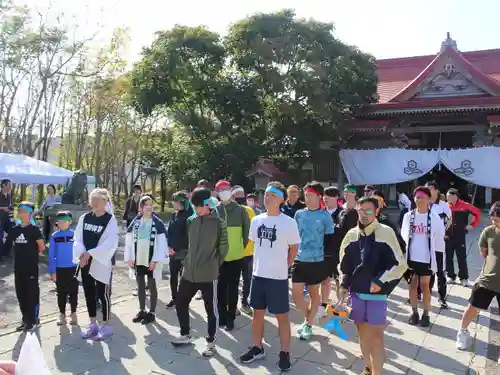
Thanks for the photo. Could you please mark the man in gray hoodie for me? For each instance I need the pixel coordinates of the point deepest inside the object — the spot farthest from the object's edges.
(207, 250)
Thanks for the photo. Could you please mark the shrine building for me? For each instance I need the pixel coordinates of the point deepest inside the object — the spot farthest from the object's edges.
(442, 109)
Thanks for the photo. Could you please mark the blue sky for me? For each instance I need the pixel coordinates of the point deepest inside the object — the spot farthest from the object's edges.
(385, 28)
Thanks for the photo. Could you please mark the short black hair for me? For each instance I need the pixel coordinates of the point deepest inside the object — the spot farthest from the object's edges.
(495, 209)
(137, 187)
(332, 191)
(422, 189)
(52, 186)
(199, 197)
(432, 184)
(64, 214)
(278, 185)
(180, 196)
(371, 200)
(379, 193)
(6, 181)
(369, 188)
(252, 195)
(202, 183)
(452, 191)
(316, 186)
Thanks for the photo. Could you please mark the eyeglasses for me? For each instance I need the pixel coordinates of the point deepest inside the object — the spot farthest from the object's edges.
(366, 212)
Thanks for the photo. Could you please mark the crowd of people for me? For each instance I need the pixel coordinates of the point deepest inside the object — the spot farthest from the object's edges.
(209, 245)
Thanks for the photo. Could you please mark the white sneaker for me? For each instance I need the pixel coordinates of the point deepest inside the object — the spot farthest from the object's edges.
(463, 337)
(198, 295)
(209, 350)
(450, 281)
(466, 283)
(182, 340)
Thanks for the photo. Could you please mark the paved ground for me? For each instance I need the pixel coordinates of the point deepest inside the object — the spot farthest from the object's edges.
(139, 350)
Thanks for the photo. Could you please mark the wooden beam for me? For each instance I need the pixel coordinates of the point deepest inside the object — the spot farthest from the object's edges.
(440, 129)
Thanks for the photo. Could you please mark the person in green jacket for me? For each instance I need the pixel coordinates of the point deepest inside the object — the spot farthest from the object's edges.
(238, 225)
(207, 249)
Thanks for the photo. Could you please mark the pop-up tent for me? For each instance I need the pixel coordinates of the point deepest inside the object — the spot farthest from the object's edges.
(22, 169)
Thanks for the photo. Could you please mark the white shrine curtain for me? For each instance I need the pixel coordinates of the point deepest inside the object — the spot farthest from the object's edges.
(480, 165)
(387, 166)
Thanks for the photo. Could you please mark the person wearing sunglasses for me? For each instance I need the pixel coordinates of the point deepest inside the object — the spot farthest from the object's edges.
(423, 231)
(487, 285)
(371, 266)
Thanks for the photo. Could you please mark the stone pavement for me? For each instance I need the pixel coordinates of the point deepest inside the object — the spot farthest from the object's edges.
(141, 350)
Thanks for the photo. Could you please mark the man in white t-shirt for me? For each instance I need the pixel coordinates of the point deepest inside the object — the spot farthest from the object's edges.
(442, 209)
(276, 238)
(423, 232)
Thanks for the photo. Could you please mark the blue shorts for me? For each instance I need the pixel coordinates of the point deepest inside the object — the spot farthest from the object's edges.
(269, 294)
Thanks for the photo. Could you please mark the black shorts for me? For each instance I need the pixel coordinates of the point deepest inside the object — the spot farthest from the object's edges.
(331, 267)
(419, 268)
(269, 294)
(480, 297)
(310, 273)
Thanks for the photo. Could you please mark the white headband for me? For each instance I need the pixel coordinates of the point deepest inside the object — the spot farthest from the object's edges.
(238, 189)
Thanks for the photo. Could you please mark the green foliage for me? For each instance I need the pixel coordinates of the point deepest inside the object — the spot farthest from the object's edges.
(275, 87)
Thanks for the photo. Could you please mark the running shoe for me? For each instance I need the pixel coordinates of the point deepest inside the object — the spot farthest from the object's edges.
(450, 280)
(171, 304)
(73, 320)
(91, 331)
(229, 326)
(414, 319)
(149, 318)
(463, 338)
(246, 309)
(198, 295)
(444, 304)
(20, 327)
(139, 317)
(284, 363)
(62, 320)
(301, 327)
(209, 350)
(105, 332)
(425, 321)
(466, 283)
(182, 340)
(367, 371)
(253, 354)
(306, 333)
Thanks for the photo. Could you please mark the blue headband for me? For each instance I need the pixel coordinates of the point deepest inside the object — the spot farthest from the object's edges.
(208, 202)
(25, 207)
(276, 191)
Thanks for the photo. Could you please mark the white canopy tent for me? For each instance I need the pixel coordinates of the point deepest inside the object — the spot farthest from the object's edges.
(22, 169)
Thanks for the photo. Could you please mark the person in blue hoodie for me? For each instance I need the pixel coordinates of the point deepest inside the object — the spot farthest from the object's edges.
(61, 267)
(178, 241)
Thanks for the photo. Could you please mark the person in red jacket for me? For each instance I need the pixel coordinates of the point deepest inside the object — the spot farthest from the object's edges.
(456, 236)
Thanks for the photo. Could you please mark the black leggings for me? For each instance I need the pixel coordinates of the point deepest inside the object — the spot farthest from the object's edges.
(175, 266)
(67, 287)
(140, 273)
(93, 290)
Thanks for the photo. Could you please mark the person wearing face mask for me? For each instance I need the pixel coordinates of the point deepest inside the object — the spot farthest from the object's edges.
(178, 240)
(246, 273)
(371, 266)
(252, 202)
(238, 225)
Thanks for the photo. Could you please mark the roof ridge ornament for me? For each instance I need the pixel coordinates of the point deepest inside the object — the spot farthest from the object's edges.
(448, 42)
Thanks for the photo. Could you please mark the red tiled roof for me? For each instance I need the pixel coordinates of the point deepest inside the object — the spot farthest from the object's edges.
(395, 74)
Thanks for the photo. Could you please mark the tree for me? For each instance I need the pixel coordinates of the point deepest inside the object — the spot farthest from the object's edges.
(310, 80)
